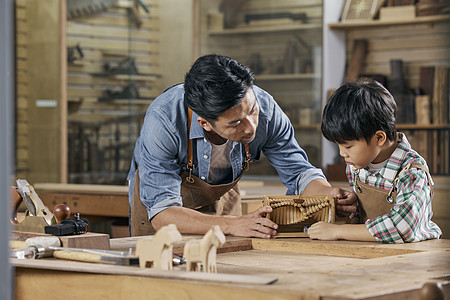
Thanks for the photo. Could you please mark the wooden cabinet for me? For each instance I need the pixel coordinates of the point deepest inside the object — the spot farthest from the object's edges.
(419, 42)
(282, 42)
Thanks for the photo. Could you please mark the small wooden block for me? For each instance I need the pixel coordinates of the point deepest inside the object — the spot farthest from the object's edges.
(88, 240)
(291, 235)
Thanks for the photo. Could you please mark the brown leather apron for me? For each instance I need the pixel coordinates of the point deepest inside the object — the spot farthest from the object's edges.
(221, 199)
(374, 202)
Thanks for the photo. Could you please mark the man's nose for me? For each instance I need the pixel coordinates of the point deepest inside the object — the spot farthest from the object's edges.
(250, 126)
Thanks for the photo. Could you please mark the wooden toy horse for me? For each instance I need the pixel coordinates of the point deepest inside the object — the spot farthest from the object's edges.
(156, 252)
(204, 251)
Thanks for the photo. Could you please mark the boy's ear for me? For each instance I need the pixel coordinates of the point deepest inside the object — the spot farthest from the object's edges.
(381, 137)
(204, 123)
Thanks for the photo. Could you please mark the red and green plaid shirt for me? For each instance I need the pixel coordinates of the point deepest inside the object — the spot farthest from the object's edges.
(409, 220)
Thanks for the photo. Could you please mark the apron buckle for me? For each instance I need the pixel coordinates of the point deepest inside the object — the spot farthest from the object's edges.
(189, 178)
(390, 199)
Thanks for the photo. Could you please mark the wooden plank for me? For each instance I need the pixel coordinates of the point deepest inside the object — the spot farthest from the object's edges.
(119, 80)
(329, 249)
(104, 56)
(97, 68)
(93, 92)
(151, 24)
(95, 31)
(233, 244)
(112, 44)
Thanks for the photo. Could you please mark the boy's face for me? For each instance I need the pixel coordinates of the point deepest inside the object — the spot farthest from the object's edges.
(359, 153)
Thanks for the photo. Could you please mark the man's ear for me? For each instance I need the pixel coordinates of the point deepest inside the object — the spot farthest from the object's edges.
(204, 123)
(381, 137)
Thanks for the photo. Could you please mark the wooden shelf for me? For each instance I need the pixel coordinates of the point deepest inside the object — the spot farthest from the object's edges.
(377, 23)
(307, 127)
(266, 77)
(423, 126)
(136, 77)
(265, 29)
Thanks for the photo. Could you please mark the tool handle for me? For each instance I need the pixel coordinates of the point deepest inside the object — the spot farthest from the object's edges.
(16, 199)
(80, 256)
(61, 212)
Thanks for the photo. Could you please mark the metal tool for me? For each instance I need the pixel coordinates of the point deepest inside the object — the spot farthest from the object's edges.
(178, 260)
(37, 216)
(36, 247)
(97, 256)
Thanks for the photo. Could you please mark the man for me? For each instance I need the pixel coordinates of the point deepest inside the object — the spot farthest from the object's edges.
(198, 139)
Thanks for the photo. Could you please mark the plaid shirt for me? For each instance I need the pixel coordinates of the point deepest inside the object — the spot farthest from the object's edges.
(409, 220)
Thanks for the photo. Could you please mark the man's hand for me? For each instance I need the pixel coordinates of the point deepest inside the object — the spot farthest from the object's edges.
(346, 202)
(254, 224)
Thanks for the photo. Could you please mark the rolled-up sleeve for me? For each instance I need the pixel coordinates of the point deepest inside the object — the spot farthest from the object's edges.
(285, 154)
(159, 164)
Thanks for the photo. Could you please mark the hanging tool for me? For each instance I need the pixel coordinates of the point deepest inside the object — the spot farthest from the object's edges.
(83, 8)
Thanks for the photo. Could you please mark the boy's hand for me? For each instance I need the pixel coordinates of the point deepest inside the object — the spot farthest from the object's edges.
(323, 231)
(346, 202)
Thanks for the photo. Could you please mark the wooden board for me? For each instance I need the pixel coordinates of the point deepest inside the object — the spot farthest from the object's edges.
(304, 269)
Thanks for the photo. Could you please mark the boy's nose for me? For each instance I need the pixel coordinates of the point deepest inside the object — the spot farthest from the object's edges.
(342, 153)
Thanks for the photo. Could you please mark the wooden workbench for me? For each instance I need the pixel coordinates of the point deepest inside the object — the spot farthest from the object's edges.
(107, 202)
(252, 269)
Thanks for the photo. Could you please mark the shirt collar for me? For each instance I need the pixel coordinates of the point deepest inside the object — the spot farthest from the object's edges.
(196, 131)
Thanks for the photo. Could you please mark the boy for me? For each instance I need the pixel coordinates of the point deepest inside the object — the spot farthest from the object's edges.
(391, 179)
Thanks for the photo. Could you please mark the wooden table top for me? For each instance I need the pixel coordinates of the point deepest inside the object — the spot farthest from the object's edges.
(297, 268)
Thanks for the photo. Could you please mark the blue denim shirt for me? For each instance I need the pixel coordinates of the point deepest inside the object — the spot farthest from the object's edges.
(161, 150)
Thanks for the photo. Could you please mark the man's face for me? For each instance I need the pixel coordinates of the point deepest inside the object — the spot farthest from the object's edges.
(238, 123)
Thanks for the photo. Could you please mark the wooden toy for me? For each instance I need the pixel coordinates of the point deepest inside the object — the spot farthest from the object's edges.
(204, 251)
(293, 213)
(156, 252)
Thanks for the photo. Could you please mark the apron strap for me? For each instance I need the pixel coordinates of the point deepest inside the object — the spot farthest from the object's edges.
(409, 166)
(190, 164)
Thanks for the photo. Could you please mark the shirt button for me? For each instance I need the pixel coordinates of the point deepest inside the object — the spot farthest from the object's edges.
(203, 177)
(205, 156)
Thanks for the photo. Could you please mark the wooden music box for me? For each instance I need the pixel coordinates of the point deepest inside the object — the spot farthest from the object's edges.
(294, 214)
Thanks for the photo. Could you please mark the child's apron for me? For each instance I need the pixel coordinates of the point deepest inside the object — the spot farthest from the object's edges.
(374, 202)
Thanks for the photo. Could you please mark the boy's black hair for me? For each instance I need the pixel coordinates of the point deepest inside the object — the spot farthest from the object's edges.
(356, 110)
(215, 84)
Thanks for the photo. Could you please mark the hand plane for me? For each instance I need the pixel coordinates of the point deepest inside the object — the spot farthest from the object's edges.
(37, 215)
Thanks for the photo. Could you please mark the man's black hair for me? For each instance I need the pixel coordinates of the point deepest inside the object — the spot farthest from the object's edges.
(357, 110)
(215, 84)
